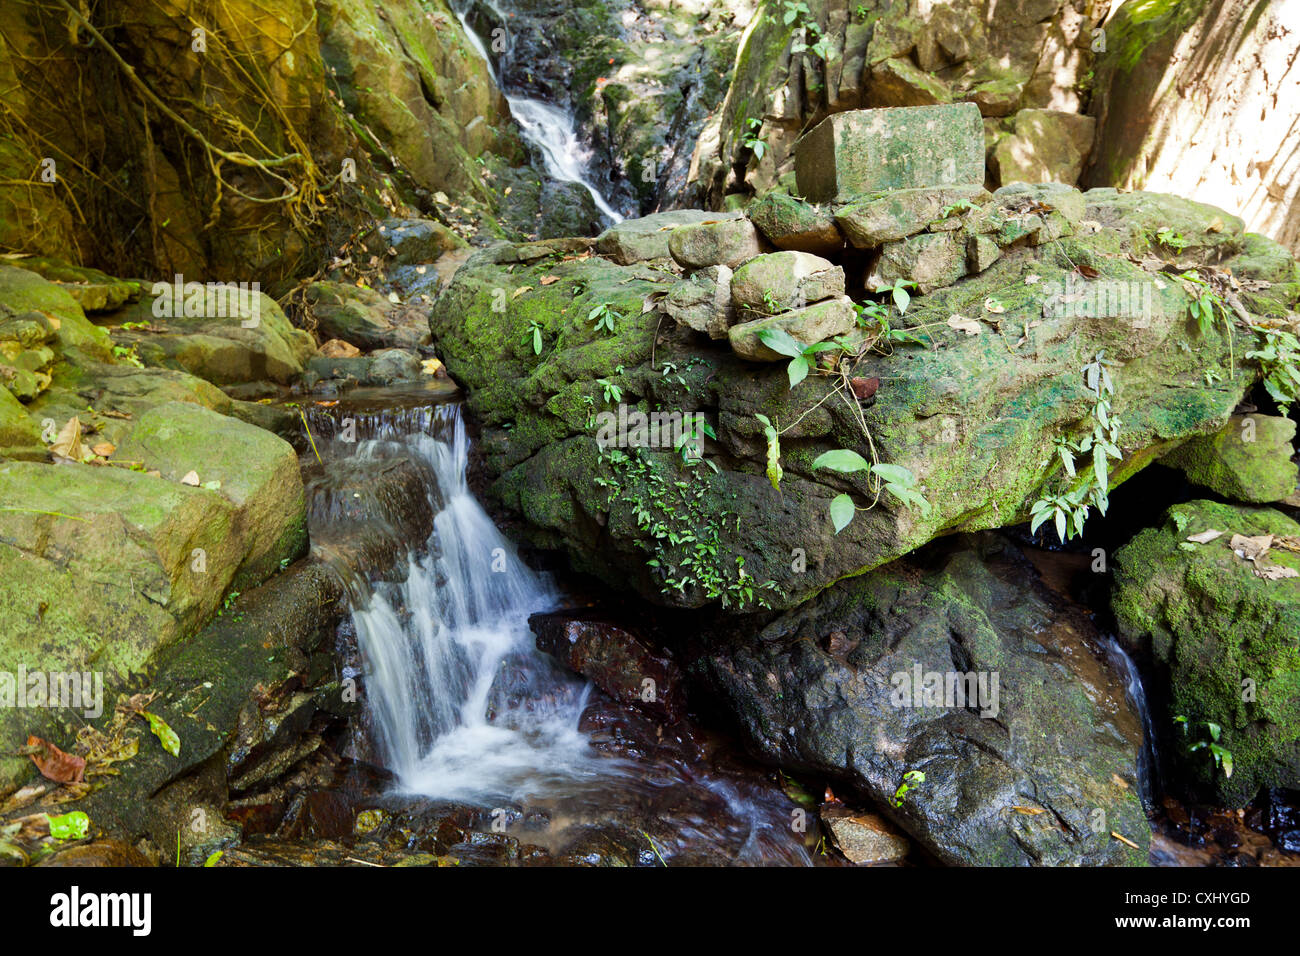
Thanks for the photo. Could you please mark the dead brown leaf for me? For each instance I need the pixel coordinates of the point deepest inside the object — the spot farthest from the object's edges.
(54, 764)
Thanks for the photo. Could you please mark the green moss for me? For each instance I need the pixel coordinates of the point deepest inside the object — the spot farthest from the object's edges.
(1215, 625)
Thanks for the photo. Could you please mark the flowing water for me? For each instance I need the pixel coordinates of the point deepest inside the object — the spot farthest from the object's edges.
(463, 707)
(553, 131)
(1148, 760)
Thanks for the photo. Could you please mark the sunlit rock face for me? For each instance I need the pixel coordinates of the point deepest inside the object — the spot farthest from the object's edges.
(1200, 99)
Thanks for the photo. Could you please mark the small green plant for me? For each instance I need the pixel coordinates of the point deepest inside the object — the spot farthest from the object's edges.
(129, 326)
(751, 140)
(795, 10)
(874, 316)
(895, 479)
(128, 355)
(1171, 239)
(534, 337)
(1068, 507)
(603, 317)
(801, 356)
(911, 780)
(898, 292)
(613, 394)
(1222, 756)
(956, 208)
(1279, 357)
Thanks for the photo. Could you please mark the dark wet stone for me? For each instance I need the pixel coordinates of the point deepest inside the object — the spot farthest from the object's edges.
(618, 661)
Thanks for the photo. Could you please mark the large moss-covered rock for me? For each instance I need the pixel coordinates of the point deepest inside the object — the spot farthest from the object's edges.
(102, 567)
(253, 469)
(222, 345)
(838, 687)
(975, 418)
(1249, 459)
(1226, 640)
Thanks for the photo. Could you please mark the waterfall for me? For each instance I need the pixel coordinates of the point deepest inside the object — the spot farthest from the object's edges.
(1148, 760)
(550, 129)
(461, 705)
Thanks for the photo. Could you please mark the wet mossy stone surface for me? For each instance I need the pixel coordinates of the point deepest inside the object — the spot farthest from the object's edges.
(1041, 774)
(1249, 459)
(1226, 641)
(974, 417)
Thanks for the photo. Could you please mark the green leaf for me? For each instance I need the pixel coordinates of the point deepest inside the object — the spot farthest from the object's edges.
(894, 473)
(70, 826)
(842, 512)
(797, 370)
(842, 460)
(781, 342)
(213, 858)
(901, 299)
(166, 736)
(1060, 524)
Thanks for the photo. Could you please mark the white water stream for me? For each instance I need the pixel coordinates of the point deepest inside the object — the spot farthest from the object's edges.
(463, 707)
(547, 127)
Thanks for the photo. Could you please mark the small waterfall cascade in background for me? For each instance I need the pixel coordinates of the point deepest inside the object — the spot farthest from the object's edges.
(460, 703)
(1148, 760)
(547, 127)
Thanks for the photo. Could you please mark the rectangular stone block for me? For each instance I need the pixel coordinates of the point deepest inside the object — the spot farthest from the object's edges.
(865, 151)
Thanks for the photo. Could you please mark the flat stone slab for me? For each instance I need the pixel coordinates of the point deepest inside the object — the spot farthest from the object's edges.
(867, 151)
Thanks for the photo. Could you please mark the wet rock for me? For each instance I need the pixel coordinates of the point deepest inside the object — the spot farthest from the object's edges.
(790, 223)
(98, 853)
(646, 239)
(1225, 640)
(408, 242)
(896, 215)
(867, 151)
(1249, 459)
(363, 317)
(810, 325)
(703, 301)
(1050, 731)
(779, 281)
(367, 513)
(1045, 146)
(615, 659)
(864, 838)
(727, 242)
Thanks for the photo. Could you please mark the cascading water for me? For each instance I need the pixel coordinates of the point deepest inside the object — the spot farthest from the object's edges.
(547, 127)
(1148, 760)
(438, 643)
(463, 707)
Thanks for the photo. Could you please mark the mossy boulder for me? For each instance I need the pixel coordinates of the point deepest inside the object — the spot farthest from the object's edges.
(363, 317)
(1039, 766)
(1249, 459)
(253, 469)
(1226, 642)
(223, 345)
(102, 567)
(974, 416)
